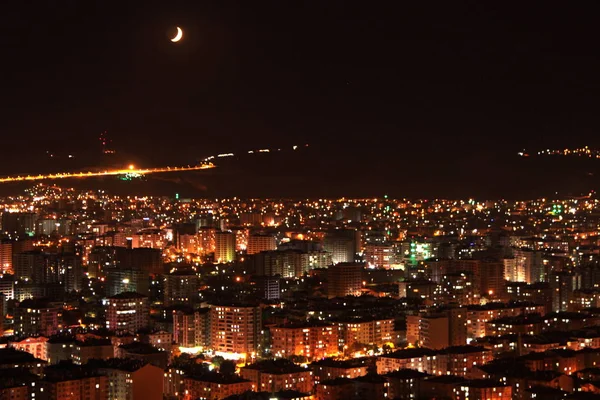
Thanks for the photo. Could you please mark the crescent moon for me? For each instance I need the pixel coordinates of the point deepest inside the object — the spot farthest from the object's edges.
(179, 35)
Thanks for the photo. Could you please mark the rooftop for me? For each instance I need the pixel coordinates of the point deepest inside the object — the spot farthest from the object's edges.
(279, 366)
(128, 295)
(406, 374)
(140, 348)
(410, 353)
(484, 383)
(216, 377)
(10, 355)
(350, 363)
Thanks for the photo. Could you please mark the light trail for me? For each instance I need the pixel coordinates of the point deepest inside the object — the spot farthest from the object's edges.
(89, 174)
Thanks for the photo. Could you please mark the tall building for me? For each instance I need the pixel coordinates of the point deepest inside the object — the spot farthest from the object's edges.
(206, 240)
(66, 270)
(46, 226)
(121, 280)
(267, 287)
(37, 317)
(285, 263)
(132, 379)
(563, 285)
(531, 262)
(261, 242)
(191, 328)
(7, 286)
(63, 382)
(275, 375)
(181, 287)
(187, 243)
(513, 270)
(214, 386)
(2, 313)
(147, 260)
(127, 312)
(19, 223)
(29, 266)
(492, 279)
(36, 267)
(6, 255)
(344, 279)
(365, 331)
(380, 255)
(224, 247)
(311, 340)
(235, 329)
(434, 332)
(342, 248)
(103, 258)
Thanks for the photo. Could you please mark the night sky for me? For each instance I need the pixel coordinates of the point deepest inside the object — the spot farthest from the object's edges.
(408, 100)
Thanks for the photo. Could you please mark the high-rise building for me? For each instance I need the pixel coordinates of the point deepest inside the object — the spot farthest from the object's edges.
(181, 287)
(147, 260)
(132, 379)
(513, 271)
(18, 223)
(73, 382)
(67, 270)
(2, 308)
(121, 280)
(267, 287)
(6, 255)
(261, 242)
(311, 340)
(235, 329)
(275, 375)
(492, 279)
(342, 248)
(40, 268)
(380, 255)
(29, 266)
(7, 286)
(206, 240)
(214, 386)
(365, 331)
(103, 258)
(224, 247)
(532, 265)
(590, 276)
(344, 279)
(285, 263)
(46, 226)
(562, 285)
(434, 331)
(191, 328)
(37, 317)
(187, 243)
(126, 312)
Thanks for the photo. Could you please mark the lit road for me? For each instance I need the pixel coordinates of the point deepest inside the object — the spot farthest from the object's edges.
(89, 174)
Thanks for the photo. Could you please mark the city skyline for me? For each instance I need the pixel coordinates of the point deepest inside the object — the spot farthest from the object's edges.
(278, 200)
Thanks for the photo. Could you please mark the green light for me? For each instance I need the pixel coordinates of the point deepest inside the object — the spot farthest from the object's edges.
(176, 196)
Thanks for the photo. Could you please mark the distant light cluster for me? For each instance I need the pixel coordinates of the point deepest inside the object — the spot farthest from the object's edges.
(223, 155)
(580, 152)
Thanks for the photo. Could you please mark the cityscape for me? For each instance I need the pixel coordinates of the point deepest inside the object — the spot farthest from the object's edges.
(299, 201)
(165, 297)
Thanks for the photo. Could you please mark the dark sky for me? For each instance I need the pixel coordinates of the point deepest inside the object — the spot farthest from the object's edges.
(433, 98)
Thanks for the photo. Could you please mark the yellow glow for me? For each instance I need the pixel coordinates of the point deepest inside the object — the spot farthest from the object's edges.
(190, 350)
(64, 175)
(131, 167)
